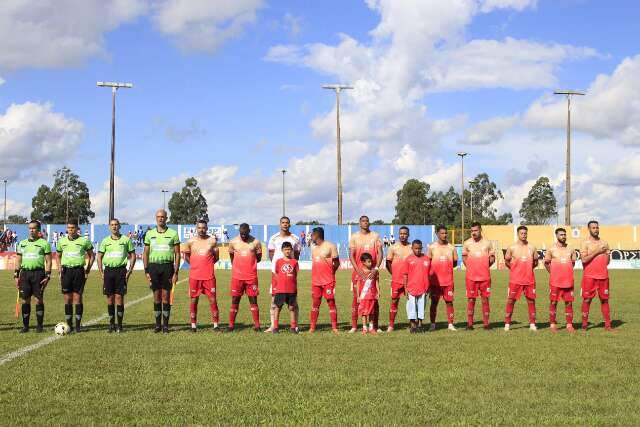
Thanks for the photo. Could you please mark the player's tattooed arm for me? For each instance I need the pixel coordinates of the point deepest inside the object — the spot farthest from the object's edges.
(507, 258)
(547, 260)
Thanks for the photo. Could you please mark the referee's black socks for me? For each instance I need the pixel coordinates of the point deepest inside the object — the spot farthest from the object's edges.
(166, 313)
(68, 314)
(111, 309)
(79, 310)
(40, 314)
(26, 314)
(157, 312)
(120, 314)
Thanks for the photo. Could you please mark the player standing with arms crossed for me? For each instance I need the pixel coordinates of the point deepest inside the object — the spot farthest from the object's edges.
(594, 253)
(201, 252)
(364, 241)
(559, 261)
(444, 258)
(76, 261)
(521, 259)
(32, 274)
(245, 252)
(161, 258)
(324, 264)
(478, 257)
(395, 263)
(113, 253)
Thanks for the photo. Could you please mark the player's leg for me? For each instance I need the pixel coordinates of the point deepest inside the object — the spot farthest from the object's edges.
(233, 311)
(111, 310)
(333, 313)
(167, 286)
(316, 300)
(255, 311)
(393, 312)
(485, 294)
(277, 309)
(25, 291)
(78, 289)
(119, 300)
(38, 294)
(412, 313)
(292, 303)
(67, 296)
(433, 310)
(588, 293)
(448, 299)
(530, 294)
(513, 293)
(193, 313)
(472, 294)
(354, 307)
(272, 308)
(157, 309)
(568, 312)
(603, 293)
(213, 307)
(375, 317)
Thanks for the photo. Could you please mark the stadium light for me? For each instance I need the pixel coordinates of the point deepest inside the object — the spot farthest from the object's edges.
(284, 171)
(338, 88)
(5, 204)
(114, 88)
(462, 154)
(471, 184)
(164, 199)
(567, 185)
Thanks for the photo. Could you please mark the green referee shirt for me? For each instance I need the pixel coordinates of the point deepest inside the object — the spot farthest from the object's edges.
(73, 251)
(161, 245)
(115, 251)
(33, 252)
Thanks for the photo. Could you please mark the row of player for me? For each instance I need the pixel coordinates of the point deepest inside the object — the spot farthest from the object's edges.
(413, 273)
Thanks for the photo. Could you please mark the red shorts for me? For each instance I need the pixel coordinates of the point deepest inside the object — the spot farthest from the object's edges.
(565, 294)
(590, 286)
(475, 288)
(366, 307)
(326, 291)
(444, 292)
(515, 291)
(199, 287)
(240, 287)
(397, 290)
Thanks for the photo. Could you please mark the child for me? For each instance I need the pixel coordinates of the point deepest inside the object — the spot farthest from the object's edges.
(286, 287)
(416, 282)
(367, 293)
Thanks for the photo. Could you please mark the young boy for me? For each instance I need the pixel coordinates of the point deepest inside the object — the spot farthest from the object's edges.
(286, 287)
(416, 283)
(367, 293)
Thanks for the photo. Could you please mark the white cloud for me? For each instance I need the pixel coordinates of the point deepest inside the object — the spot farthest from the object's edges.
(489, 131)
(32, 135)
(15, 207)
(203, 25)
(519, 5)
(2, 81)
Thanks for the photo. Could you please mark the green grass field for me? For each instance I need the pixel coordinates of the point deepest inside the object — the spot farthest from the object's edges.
(446, 378)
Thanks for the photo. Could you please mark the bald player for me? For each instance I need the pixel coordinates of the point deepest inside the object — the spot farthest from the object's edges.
(521, 259)
(396, 256)
(559, 261)
(444, 258)
(324, 264)
(361, 242)
(594, 253)
(478, 257)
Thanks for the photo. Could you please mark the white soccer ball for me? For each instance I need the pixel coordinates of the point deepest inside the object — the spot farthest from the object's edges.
(62, 328)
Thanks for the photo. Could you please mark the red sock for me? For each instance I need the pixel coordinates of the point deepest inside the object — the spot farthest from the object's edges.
(255, 314)
(553, 310)
(354, 311)
(485, 311)
(233, 312)
(471, 307)
(450, 313)
(333, 313)
(433, 309)
(215, 314)
(294, 323)
(393, 311)
(586, 305)
(531, 304)
(606, 314)
(315, 311)
(276, 319)
(568, 312)
(193, 312)
(507, 318)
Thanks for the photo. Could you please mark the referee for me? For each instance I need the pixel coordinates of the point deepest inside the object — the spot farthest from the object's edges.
(32, 274)
(113, 253)
(161, 258)
(77, 257)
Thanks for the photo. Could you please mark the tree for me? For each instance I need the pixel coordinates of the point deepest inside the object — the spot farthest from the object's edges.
(484, 193)
(189, 205)
(16, 219)
(378, 222)
(312, 222)
(67, 199)
(411, 202)
(540, 204)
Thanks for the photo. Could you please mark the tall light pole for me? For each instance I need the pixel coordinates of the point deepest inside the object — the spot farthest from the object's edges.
(164, 199)
(66, 190)
(114, 88)
(5, 204)
(338, 88)
(284, 171)
(462, 154)
(471, 184)
(567, 186)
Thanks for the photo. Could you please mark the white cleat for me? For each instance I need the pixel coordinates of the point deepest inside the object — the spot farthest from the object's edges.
(353, 330)
(432, 327)
(380, 330)
(507, 327)
(451, 327)
(533, 327)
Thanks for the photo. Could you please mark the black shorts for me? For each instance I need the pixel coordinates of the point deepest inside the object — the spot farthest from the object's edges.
(161, 275)
(73, 280)
(280, 299)
(29, 284)
(115, 281)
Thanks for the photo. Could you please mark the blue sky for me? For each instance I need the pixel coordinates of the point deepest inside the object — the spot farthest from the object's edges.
(229, 91)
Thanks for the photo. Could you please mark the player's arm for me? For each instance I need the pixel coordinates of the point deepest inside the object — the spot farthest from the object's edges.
(176, 261)
(535, 257)
(145, 259)
(586, 256)
(492, 255)
(132, 258)
(258, 250)
(389, 260)
(297, 248)
(547, 260)
(99, 262)
(608, 252)
(216, 251)
(271, 247)
(574, 258)
(507, 258)
(465, 253)
(231, 251)
(47, 267)
(379, 249)
(16, 273)
(335, 258)
(91, 259)
(186, 252)
(455, 256)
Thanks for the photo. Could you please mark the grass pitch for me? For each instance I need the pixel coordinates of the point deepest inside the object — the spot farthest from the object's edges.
(445, 378)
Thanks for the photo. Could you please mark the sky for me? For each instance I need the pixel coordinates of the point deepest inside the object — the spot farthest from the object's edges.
(229, 91)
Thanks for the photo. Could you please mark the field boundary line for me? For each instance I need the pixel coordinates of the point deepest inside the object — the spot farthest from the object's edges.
(48, 340)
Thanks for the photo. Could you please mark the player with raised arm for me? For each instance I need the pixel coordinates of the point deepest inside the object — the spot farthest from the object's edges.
(478, 257)
(275, 253)
(594, 253)
(444, 258)
(361, 242)
(114, 252)
(521, 259)
(201, 253)
(245, 252)
(324, 264)
(161, 258)
(559, 261)
(395, 263)
(32, 274)
(77, 257)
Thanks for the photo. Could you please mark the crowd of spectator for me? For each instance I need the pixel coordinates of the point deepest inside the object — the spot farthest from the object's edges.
(8, 238)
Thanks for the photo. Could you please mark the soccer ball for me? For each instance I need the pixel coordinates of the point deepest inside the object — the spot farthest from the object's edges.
(62, 328)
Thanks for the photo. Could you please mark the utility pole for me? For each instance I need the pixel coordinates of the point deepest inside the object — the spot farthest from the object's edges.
(471, 184)
(284, 171)
(462, 154)
(164, 199)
